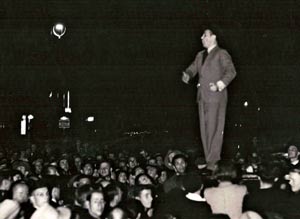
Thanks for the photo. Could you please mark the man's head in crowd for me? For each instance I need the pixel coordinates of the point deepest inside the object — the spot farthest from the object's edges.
(64, 164)
(132, 162)
(122, 177)
(51, 170)
(143, 179)
(294, 179)
(20, 192)
(159, 160)
(77, 162)
(179, 164)
(163, 176)
(293, 152)
(104, 169)
(96, 203)
(37, 166)
(40, 194)
(5, 181)
(143, 193)
(88, 169)
(152, 171)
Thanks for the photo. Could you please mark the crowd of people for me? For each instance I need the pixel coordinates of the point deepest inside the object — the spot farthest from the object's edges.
(38, 183)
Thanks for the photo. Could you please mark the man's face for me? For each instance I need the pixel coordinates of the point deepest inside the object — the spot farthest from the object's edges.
(132, 162)
(207, 39)
(294, 181)
(159, 160)
(292, 152)
(88, 169)
(180, 165)
(64, 164)
(20, 193)
(152, 171)
(38, 167)
(96, 204)
(77, 162)
(122, 178)
(104, 169)
(146, 198)
(40, 197)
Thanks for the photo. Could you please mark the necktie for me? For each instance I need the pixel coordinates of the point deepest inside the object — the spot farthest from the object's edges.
(205, 53)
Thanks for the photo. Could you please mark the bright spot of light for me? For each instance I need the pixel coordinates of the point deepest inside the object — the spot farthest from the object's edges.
(30, 117)
(90, 119)
(258, 109)
(245, 103)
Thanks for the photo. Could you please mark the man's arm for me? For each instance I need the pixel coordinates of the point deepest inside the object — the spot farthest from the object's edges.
(229, 70)
(192, 70)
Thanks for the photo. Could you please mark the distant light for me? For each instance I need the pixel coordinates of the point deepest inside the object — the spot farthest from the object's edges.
(90, 119)
(245, 103)
(64, 118)
(241, 125)
(59, 30)
(235, 125)
(258, 109)
(68, 110)
(30, 117)
(50, 95)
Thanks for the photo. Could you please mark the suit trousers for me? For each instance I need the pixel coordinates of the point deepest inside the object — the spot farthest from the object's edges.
(212, 122)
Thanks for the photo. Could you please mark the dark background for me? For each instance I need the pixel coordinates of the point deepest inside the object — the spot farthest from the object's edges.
(122, 62)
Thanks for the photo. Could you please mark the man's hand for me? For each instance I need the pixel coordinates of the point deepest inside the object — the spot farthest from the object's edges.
(185, 77)
(220, 85)
(213, 87)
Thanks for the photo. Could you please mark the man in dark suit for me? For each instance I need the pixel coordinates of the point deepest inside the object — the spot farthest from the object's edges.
(215, 71)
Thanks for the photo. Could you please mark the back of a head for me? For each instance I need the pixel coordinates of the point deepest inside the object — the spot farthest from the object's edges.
(192, 182)
(250, 215)
(226, 171)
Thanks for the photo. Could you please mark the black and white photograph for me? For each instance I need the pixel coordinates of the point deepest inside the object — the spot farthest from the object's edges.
(140, 109)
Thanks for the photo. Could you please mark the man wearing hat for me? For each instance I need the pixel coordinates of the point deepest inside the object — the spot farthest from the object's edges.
(215, 71)
(40, 200)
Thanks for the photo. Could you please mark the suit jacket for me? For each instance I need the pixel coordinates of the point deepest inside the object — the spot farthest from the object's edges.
(218, 65)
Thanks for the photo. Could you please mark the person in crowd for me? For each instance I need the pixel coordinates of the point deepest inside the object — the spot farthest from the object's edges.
(114, 197)
(216, 70)
(105, 170)
(96, 204)
(226, 198)
(77, 162)
(37, 167)
(64, 167)
(141, 207)
(5, 183)
(10, 208)
(293, 156)
(185, 202)
(179, 165)
(87, 168)
(117, 213)
(132, 162)
(267, 200)
(39, 198)
(152, 171)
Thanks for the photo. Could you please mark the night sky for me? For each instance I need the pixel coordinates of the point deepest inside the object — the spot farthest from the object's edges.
(122, 62)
